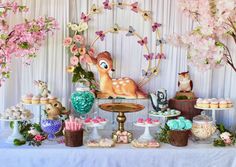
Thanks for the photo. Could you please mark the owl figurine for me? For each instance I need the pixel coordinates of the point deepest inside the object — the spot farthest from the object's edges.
(159, 100)
(185, 84)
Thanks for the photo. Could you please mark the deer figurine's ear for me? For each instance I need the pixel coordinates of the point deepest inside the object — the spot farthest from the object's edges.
(90, 59)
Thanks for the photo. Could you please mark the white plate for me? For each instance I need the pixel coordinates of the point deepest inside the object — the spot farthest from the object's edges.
(201, 108)
(147, 125)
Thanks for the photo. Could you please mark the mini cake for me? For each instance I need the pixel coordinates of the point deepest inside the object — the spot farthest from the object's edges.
(140, 121)
(223, 104)
(214, 104)
(199, 102)
(27, 98)
(88, 120)
(35, 100)
(44, 100)
(205, 103)
(229, 103)
(148, 121)
(52, 99)
(156, 121)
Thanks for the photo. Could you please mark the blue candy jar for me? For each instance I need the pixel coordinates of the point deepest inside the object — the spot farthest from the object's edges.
(82, 99)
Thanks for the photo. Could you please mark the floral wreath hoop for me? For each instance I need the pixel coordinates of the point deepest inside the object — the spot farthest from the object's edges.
(151, 71)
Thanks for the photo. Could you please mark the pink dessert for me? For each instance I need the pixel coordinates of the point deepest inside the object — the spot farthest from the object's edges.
(88, 120)
(140, 120)
(95, 121)
(149, 121)
(102, 120)
(155, 121)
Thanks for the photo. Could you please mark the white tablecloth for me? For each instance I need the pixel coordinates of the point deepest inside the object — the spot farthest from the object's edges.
(57, 155)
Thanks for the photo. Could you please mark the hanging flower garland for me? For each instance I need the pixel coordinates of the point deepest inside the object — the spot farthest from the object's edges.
(76, 47)
(23, 40)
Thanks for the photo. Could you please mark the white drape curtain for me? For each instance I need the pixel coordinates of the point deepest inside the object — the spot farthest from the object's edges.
(52, 58)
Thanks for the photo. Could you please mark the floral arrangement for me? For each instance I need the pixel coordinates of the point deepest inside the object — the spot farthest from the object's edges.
(226, 138)
(163, 136)
(216, 20)
(79, 48)
(23, 40)
(32, 134)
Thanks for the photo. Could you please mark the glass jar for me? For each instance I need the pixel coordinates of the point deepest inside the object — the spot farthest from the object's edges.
(203, 128)
(82, 99)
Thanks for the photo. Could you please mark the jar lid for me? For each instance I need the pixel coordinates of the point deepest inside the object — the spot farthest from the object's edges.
(202, 119)
(83, 85)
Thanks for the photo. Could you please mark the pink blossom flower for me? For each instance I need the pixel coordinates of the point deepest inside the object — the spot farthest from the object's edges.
(91, 51)
(67, 42)
(39, 138)
(74, 49)
(74, 60)
(79, 38)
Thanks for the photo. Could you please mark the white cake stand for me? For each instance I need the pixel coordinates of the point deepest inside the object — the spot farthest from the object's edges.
(165, 117)
(94, 135)
(15, 133)
(39, 117)
(146, 136)
(213, 110)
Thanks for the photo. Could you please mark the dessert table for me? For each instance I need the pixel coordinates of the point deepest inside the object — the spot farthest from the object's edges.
(54, 154)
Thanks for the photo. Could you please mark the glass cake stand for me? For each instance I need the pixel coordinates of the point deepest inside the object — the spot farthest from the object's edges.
(121, 135)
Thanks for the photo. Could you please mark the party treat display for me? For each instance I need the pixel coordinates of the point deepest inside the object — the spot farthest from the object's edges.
(95, 123)
(167, 113)
(179, 131)
(83, 53)
(17, 112)
(203, 128)
(82, 99)
(214, 103)
(225, 137)
(145, 144)
(146, 137)
(73, 132)
(106, 143)
(159, 100)
(51, 127)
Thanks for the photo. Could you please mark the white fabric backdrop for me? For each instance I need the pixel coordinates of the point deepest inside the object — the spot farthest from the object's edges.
(52, 58)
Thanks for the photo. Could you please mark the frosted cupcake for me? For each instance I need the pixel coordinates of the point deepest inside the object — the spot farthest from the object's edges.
(223, 104)
(35, 100)
(140, 121)
(214, 104)
(205, 103)
(44, 100)
(229, 103)
(27, 98)
(199, 102)
(52, 99)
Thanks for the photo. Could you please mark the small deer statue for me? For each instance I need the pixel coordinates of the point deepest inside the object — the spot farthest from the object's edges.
(121, 87)
(43, 88)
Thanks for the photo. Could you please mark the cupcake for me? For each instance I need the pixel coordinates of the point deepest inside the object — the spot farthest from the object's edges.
(223, 104)
(27, 98)
(229, 103)
(205, 103)
(199, 102)
(44, 100)
(35, 100)
(52, 99)
(140, 121)
(214, 104)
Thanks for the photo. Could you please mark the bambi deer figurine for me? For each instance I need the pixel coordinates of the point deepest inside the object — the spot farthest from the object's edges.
(121, 87)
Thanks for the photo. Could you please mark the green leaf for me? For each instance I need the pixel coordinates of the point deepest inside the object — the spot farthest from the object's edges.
(18, 142)
(24, 45)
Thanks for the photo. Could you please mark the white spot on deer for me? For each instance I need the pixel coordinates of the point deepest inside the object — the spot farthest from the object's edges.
(126, 78)
(127, 81)
(121, 82)
(114, 83)
(117, 86)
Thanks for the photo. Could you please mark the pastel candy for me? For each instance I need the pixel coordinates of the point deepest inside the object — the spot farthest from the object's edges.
(188, 124)
(181, 124)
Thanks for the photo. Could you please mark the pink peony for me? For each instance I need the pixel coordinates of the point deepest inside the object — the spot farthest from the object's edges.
(74, 60)
(74, 49)
(67, 42)
(79, 38)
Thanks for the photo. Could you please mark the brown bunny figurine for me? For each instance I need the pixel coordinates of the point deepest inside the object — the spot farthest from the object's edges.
(55, 109)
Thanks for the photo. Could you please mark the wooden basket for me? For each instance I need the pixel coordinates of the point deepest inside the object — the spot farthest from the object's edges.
(74, 138)
(179, 138)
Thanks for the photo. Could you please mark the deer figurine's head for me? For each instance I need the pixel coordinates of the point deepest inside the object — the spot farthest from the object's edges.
(103, 62)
